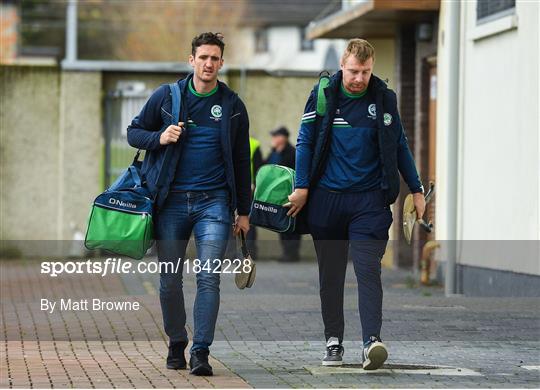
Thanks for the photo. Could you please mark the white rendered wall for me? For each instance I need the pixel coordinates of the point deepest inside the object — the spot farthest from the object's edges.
(498, 157)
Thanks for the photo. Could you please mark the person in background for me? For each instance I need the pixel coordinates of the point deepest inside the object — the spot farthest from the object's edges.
(283, 153)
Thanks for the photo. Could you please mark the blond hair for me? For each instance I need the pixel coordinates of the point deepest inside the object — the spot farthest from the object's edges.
(360, 49)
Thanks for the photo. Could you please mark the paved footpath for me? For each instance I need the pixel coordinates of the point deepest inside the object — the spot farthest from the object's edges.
(268, 336)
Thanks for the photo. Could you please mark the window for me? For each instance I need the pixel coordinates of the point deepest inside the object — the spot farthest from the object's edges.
(331, 61)
(487, 10)
(261, 41)
(305, 44)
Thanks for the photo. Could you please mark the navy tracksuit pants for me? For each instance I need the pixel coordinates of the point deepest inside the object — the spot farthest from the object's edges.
(349, 226)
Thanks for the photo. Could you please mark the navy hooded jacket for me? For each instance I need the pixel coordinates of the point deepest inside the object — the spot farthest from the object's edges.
(145, 130)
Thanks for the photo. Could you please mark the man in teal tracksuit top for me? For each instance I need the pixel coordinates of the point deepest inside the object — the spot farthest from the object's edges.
(349, 156)
(205, 181)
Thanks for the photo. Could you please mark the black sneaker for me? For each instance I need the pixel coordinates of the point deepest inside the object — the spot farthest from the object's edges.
(176, 359)
(199, 363)
(334, 353)
(374, 354)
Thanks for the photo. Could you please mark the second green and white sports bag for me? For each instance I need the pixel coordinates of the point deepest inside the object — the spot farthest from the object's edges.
(273, 185)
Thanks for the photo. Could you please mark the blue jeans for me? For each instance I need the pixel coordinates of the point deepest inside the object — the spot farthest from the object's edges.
(206, 214)
(349, 226)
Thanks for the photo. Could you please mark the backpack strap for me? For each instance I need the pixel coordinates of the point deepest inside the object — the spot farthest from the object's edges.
(176, 101)
(176, 97)
(324, 81)
(323, 117)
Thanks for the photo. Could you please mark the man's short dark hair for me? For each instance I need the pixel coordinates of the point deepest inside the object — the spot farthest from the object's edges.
(208, 38)
(282, 130)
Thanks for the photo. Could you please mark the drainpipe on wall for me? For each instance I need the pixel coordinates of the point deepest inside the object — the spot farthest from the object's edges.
(71, 32)
(70, 59)
(453, 40)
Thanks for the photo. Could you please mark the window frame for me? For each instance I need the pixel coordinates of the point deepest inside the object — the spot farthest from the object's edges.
(494, 24)
(496, 15)
(261, 35)
(310, 43)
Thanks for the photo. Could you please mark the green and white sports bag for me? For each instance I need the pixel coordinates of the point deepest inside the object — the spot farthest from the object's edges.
(273, 185)
(120, 219)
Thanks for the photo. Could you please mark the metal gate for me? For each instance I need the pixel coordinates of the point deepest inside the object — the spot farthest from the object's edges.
(121, 106)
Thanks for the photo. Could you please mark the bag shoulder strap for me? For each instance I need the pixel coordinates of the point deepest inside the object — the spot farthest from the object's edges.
(322, 113)
(176, 102)
(135, 175)
(324, 81)
(176, 98)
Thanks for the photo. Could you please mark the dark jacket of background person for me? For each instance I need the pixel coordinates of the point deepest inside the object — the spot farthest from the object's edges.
(146, 128)
(287, 157)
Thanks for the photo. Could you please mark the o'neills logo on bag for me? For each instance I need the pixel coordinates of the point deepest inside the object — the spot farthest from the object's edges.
(117, 202)
(265, 208)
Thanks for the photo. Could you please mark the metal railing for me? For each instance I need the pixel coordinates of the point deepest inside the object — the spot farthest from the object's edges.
(121, 106)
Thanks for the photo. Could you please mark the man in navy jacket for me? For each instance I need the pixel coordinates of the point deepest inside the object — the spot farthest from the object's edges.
(198, 187)
(350, 152)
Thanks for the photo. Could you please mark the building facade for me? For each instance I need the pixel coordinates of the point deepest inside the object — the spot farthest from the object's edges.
(468, 85)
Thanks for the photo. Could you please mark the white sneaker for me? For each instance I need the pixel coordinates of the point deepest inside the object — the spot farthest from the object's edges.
(334, 353)
(374, 354)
